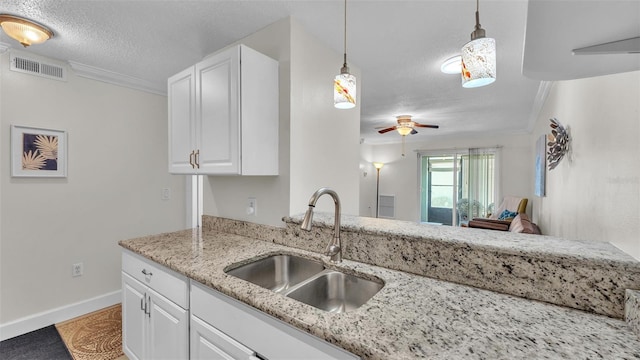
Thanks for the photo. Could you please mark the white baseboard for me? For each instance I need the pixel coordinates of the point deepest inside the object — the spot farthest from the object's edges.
(63, 313)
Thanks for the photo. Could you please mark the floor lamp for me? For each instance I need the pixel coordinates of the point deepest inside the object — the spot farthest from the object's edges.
(378, 166)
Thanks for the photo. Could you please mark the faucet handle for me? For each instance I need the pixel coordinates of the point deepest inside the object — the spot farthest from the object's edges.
(332, 249)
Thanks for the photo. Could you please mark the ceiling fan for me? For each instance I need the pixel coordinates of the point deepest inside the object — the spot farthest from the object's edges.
(406, 126)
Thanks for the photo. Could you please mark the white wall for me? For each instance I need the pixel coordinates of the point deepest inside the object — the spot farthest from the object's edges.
(594, 194)
(226, 196)
(117, 166)
(318, 144)
(400, 176)
(325, 148)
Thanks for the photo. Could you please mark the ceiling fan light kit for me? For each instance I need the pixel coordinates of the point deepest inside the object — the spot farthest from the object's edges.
(478, 57)
(25, 31)
(344, 84)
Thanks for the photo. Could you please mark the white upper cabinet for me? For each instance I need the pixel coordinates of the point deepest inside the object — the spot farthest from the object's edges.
(223, 115)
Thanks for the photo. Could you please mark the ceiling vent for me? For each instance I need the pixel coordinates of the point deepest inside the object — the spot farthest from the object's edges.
(36, 67)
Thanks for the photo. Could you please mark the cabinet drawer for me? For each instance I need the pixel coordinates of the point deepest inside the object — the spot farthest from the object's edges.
(208, 342)
(161, 279)
(262, 333)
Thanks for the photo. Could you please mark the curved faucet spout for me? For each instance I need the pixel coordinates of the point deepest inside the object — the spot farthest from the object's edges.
(334, 249)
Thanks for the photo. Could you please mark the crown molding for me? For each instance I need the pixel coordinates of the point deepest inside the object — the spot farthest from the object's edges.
(111, 77)
(538, 103)
(4, 47)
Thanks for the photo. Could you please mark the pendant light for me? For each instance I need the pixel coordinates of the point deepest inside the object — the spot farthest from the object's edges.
(478, 57)
(26, 32)
(344, 85)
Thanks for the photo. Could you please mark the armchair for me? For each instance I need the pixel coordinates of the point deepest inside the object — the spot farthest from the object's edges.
(494, 221)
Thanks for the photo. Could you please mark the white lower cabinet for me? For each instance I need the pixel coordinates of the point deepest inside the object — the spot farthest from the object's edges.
(154, 326)
(165, 315)
(224, 328)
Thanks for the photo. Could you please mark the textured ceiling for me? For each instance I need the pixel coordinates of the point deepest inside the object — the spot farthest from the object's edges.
(398, 45)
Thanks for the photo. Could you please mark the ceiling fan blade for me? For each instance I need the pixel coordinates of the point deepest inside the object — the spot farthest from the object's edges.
(414, 131)
(387, 130)
(426, 126)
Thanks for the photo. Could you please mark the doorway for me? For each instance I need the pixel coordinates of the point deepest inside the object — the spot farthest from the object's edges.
(457, 185)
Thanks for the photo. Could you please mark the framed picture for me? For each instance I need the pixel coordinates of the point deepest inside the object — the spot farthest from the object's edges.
(38, 152)
(541, 166)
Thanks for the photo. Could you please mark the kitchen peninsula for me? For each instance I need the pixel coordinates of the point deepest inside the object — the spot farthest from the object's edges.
(413, 316)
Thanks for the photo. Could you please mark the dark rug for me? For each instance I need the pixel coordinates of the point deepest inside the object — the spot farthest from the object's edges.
(43, 344)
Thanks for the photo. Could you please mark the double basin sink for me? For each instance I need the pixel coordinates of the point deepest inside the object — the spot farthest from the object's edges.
(309, 281)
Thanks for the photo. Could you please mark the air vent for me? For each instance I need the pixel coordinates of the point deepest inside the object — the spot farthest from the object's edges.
(37, 67)
(387, 206)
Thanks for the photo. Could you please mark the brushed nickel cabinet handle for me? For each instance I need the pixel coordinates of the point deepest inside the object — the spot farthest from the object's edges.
(145, 272)
(198, 159)
(191, 156)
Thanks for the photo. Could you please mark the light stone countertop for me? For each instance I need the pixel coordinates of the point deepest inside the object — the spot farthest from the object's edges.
(507, 242)
(411, 317)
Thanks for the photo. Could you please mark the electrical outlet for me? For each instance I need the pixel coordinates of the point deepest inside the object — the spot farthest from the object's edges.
(76, 269)
(252, 206)
(166, 194)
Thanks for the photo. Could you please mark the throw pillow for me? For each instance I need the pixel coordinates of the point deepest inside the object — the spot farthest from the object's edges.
(522, 224)
(507, 215)
(516, 225)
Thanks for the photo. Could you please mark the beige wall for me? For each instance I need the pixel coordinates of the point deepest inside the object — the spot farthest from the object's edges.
(594, 193)
(117, 167)
(318, 143)
(400, 176)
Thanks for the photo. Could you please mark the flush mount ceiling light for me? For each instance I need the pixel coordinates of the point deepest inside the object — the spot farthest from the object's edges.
(452, 65)
(344, 85)
(26, 32)
(478, 57)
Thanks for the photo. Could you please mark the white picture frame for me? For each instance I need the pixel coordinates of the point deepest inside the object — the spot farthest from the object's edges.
(37, 152)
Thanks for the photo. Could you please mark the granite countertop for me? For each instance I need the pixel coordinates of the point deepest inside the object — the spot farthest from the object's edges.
(507, 242)
(411, 317)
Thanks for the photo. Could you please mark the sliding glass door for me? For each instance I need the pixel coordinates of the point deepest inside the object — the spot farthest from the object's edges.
(457, 185)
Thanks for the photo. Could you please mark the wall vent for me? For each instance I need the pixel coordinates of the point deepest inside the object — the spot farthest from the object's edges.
(387, 206)
(40, 68)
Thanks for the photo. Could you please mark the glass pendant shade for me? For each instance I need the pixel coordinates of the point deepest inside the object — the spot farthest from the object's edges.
(24, 31)
(344, 91)
(479, 62)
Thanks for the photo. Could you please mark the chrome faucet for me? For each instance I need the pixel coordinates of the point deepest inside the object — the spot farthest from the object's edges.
(334, 249)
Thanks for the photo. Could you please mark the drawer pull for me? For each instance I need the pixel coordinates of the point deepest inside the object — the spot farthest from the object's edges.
(147, 273)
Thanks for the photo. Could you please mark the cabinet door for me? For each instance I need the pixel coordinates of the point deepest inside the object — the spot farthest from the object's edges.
(182, 142)
(209, 343)
(133, 317)
(217, 112)
(168, 330)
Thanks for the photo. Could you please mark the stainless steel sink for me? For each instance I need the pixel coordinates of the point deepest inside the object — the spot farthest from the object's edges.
(335, 291)
(278, 272)
(308, 281)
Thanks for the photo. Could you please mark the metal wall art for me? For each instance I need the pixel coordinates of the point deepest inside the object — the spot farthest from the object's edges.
(558, 144)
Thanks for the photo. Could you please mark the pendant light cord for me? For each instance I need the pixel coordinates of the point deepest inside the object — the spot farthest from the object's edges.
(345, 33)
(478, 14)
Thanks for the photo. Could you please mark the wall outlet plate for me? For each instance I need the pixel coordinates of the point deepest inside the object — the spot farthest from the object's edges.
(77, 269)
(252, 206)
